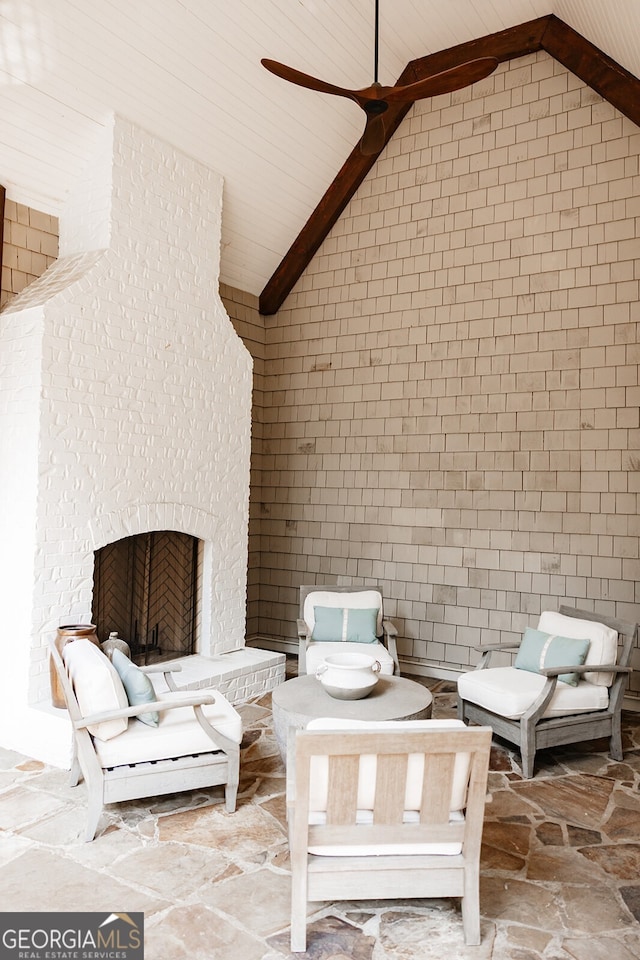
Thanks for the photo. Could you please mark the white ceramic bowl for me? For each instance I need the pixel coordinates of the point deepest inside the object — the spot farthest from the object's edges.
(348, 676)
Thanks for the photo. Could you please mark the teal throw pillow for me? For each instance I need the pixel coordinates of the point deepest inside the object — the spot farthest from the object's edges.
(539, 650)
(137, 685)
(344, 624)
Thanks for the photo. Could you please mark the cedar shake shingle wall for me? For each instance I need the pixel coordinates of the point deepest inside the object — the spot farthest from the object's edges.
(451, 393)
(30, 246)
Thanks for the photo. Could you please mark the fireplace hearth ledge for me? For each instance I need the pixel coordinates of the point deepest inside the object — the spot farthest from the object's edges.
(240, 675)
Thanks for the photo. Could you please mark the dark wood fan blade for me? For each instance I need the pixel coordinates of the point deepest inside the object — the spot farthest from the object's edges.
(304, 80)
(374, 99)
(453, 79)
(373, 138)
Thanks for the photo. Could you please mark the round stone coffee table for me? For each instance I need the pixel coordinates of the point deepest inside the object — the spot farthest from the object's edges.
(297, 701)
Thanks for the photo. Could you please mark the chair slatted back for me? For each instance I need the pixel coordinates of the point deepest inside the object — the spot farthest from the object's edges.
(455, 763)
(342, 793)
(437, 787)
(391, 770)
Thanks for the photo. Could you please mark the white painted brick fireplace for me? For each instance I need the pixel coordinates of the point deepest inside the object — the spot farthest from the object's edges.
(125, 407)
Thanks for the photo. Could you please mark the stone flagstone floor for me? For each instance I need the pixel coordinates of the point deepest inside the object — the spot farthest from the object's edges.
(560, 862)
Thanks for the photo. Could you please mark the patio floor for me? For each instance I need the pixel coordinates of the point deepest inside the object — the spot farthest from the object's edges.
(560, 863)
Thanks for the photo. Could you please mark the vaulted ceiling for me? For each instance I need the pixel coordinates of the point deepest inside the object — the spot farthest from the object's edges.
(189, 71)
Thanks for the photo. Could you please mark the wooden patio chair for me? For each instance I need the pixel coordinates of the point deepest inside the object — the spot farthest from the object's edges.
(335, 619)
(386, 810)
(194, 745)
(530, 705)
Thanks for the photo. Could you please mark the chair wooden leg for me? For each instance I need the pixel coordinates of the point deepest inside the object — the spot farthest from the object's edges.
(471, 908)
(615, 741)
(230, 797)
(75, 774)
(298, 902)
(298, 918)
(94, 809)
(233, 777)
(94, 782)
(527, 749)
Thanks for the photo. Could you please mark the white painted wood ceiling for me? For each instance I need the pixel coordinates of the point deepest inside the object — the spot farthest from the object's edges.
(189, 71)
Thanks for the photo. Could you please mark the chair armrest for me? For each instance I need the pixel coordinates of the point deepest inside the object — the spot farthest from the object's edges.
(539, 705)
(166, 669)
(490, 647)
(487, 649)
(161, 668)
(156, 706)
(585, 668)
(304, 635)
(390, 634)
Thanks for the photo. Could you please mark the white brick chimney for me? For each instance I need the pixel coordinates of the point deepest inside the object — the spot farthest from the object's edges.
(125, 407)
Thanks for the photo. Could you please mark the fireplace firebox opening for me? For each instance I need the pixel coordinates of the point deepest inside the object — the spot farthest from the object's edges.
(146, 590)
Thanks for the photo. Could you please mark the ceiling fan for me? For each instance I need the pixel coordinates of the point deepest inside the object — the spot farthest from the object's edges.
(375, 99)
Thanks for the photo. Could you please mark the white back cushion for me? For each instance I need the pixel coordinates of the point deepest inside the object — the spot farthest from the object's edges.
(97, 686)
(603, 646)
(359, 600)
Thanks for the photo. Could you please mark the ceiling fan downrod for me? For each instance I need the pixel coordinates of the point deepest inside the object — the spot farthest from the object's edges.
(375, 42)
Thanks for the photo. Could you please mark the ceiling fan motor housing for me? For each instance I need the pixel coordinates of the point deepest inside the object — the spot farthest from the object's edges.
(373, 108)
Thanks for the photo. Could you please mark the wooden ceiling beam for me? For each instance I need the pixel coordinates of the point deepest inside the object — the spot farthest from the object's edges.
(549, 33)
(304, 247)
(504, 45)
(615, 84)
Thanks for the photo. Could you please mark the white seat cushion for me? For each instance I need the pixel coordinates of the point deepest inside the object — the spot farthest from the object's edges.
(316, 653)
(177, 735)
(509, 693)
(603, 646)
(366, 788)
